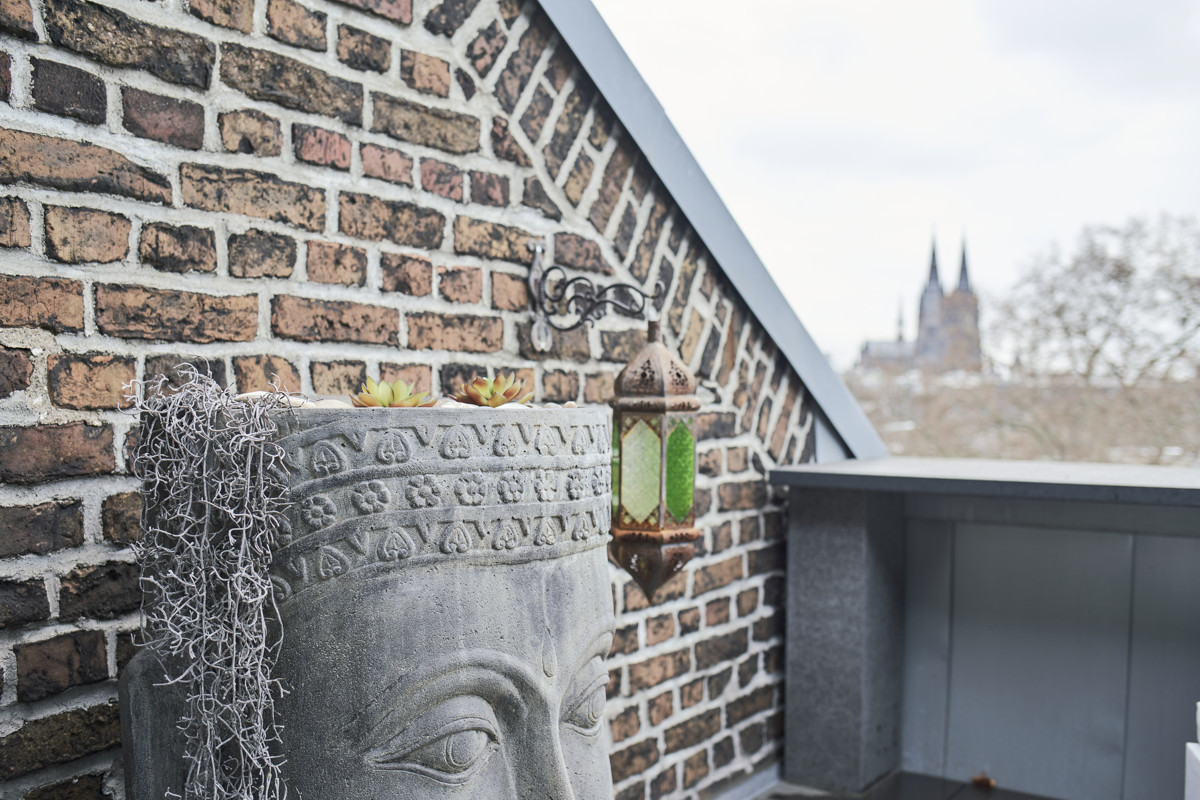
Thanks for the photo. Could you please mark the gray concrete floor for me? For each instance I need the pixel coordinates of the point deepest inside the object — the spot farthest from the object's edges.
(902, 786)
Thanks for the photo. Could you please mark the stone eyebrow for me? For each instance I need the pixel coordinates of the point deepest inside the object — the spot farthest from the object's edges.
(426, 686)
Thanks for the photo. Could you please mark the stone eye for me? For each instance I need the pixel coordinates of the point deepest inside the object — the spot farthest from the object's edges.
(453, 757)
(585, 715)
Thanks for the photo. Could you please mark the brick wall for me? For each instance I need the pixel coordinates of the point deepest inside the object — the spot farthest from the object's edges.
(324, 191)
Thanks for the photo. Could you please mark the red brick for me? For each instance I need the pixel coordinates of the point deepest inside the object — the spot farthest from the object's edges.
(163, 119)
(411, 275)
(425, 73)
(509, 292)
(329, 262)
(742, 496)
(14, 223)
(693, 731)
(569, 125)
(120, 518)
(747, 602)
(251, 132)
(461, 284)
(625, 725)
(716, 576)
(644, 258)
(45, 452)
(560, 386)
(656, 670)
(425, 125)
(366, 217)
(137, 312)
(739, 459)
(579, 178)
(309, 320)
(561, 65)
(398, 10)
(442, 179)
(360, 50)
(253, 194)
(520, 64)
(40, 529)
(615, 173)
(235, 14)
(59, 739)
(448, 16)
(297, 25)
(716, 612)
(178, 248)
(52, 666)
(659, 629)
(576, 252)
(598, 388)
(89, 380)
(695, 769)
(475, 237)
(16, 17)
(486, 47)
(418, 376)
(261, 373)
(22, 602)
(471, 334)
(689, 621)
(465, 81)
(119, 40)
(268, 76)
(321, 147)
(339, 377)
(750, 704)
(76, 167)
(505, 146)
(691, 693)
(661, 707)
(536, 113)
(534, 196)
(68, 91)
(714, 651)
(386, 164)
(104, 591)
(489, 189)
(633, 760)
(15, 371)
(80, 235)
(708, 462)
(665, 783)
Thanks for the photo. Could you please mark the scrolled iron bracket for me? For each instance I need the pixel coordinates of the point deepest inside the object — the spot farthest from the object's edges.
(576, 296)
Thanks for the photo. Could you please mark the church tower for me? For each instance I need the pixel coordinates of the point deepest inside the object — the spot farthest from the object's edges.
(929, 319)
(960, 325)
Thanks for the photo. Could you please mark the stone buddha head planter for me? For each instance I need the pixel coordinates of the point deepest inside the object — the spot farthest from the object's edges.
(442, 588)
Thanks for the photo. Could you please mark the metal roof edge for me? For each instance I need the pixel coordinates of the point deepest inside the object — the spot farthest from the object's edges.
(622, 86)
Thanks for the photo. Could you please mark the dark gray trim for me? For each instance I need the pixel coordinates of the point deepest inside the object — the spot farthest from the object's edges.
(581, 25)
(1043, 480)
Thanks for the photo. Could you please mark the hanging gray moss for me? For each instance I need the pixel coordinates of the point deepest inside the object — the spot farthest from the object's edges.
(213, 484)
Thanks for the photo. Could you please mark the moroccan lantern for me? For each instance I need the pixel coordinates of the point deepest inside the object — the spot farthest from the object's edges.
(654, 464)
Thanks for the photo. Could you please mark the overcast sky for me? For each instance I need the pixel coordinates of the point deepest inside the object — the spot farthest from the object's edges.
(843, 133)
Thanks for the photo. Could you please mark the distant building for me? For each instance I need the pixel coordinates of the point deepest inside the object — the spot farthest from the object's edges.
(947, 330)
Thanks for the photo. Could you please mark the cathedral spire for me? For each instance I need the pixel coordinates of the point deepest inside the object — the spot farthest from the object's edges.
(934, 279)
(964, 281)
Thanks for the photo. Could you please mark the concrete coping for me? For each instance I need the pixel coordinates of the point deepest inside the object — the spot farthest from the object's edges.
(1044, 480)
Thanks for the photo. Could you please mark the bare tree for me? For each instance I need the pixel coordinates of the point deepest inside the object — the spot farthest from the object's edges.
(1094, 357)
(1123, 308)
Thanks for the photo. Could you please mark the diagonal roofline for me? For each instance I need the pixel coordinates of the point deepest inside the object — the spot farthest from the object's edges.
(622, 86)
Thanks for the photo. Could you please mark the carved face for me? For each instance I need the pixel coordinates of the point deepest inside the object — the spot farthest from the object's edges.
(451, 680)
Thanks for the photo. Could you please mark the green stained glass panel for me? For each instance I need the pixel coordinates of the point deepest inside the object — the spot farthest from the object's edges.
(640, 476)
(681, 471)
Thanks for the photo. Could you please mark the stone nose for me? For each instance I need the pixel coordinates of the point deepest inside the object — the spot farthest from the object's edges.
(544, 774)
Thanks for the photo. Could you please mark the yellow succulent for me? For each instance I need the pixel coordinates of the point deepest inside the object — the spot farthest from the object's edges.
(492, 393)
(397, 394)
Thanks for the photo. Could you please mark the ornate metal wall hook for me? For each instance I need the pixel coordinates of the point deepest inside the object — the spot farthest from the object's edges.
(571, 296)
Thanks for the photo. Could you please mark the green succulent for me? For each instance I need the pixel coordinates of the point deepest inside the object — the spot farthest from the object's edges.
(492, 393)
(397, 394)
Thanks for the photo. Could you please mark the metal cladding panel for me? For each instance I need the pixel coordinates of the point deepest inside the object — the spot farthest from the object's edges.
(1164, 669)
(1039, 657)
(928, 566)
